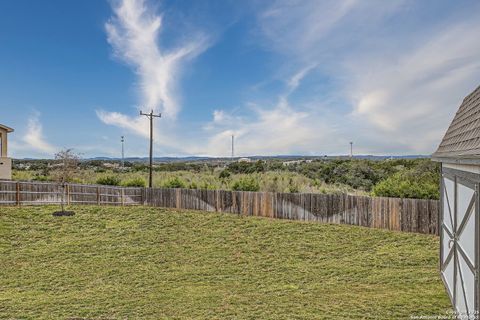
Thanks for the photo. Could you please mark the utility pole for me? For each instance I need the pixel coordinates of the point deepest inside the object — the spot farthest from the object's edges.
(123, 152)
(351, 149)
(150, 116)
(233, 146)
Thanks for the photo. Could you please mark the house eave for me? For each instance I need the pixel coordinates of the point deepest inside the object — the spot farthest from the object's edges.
(8, 129)
(457, 160)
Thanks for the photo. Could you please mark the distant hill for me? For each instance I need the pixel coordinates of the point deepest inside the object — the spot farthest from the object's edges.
(278, 157)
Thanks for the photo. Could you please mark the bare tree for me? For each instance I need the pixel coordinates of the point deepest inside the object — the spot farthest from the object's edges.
(67, 169)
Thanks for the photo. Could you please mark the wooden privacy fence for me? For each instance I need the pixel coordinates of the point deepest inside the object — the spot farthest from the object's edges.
(412, 215)
(38, 193)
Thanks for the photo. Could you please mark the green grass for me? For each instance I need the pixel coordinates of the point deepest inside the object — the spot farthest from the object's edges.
(147, 263)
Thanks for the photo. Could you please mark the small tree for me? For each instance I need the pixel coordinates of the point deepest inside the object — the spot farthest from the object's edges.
(67, 169)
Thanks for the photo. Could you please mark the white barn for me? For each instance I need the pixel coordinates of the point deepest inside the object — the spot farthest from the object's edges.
(459, 154)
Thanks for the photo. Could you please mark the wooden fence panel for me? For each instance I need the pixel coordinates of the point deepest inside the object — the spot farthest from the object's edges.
(133, 196)
(8, 193)
(41, 193)
(411, 215)
(83, 194)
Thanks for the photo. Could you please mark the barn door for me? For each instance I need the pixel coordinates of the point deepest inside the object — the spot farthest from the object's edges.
(459, 242)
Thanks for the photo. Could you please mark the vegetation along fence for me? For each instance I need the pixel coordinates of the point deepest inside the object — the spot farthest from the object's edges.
(411, 215)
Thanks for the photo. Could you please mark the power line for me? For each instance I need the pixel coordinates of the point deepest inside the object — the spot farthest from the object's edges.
(150, 116)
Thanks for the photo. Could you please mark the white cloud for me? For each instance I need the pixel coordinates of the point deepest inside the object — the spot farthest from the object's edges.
(34, 139)
(416, 92)
(269, 131)
(133, 33)
(388, 85)
(295, 80)
(137, 125)
(400, 83)
(299, 26)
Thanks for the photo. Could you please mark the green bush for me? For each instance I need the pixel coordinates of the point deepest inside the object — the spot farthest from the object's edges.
(246, 184)
(247, 167)
(40, 178)
(207, 186)
(174, 183)
(109, 180)
(224, 174)
(135, 182)
(407, 185)
(293, 187)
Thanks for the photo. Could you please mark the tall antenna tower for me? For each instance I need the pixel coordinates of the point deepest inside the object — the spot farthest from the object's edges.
(351, 149)
(233, 146)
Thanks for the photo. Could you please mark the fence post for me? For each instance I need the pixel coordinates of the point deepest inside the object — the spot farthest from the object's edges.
(98, 195)
(18, 193)
(68, 194)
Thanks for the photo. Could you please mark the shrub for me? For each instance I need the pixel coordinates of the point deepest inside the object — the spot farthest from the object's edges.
(293, 187)
(207, 186)
(247, 167)
(408, 185)
(174, 183)
(135, 182)
(40, 178)
(246, 184)
(224, 174)
(109, 180)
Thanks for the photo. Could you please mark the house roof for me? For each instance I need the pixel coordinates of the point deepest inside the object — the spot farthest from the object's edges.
(8, 129)
(461, 143)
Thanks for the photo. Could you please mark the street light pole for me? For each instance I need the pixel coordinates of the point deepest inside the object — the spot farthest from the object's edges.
(150, 116)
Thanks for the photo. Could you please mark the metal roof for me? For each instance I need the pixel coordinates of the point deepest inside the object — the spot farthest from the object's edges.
(461, 143)
(8, 129)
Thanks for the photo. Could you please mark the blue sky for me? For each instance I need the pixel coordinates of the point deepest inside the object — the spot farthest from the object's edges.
(285, 77)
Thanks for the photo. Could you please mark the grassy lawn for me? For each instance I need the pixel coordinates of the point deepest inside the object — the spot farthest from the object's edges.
(148, 263)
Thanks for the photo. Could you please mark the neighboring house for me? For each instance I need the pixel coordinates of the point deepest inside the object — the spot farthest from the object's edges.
(244, 160)
(5, 162)
(459, 154)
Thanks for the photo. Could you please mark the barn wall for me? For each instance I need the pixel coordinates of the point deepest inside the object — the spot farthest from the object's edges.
(459, 236)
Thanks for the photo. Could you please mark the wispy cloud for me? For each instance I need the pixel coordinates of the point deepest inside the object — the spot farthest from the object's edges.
(134, 124)
(395, 88)
(281, 129)
(34, 139)
(295, 80)
(133, 32)
(355, 71)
